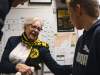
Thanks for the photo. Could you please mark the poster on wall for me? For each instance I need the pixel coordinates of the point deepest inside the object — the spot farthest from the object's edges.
(41, 1)
(65, 44)
(63, 21)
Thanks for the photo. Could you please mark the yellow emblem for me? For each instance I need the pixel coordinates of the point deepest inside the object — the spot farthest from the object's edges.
(34, 53)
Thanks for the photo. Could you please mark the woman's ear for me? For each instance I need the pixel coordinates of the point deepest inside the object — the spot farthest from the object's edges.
(78, 10)
(25, 28)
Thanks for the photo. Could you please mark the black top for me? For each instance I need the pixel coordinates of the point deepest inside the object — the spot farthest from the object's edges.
(87, 53)
(5, 6)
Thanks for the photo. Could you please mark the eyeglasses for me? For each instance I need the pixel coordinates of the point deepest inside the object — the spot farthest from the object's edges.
(35, 27)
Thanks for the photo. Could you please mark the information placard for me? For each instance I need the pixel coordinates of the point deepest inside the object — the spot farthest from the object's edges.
(63, 21)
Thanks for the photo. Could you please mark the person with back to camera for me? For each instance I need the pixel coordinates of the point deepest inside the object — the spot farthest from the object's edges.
(26, 51)
(5, 6)
(84, 15)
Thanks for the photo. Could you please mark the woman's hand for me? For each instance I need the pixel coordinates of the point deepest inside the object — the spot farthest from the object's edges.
(24, 69)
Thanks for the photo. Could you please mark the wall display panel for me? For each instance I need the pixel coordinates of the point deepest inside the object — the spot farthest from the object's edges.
(63, 21)
(64, 48)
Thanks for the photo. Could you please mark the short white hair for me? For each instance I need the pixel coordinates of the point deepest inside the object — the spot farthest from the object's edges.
(31, 20)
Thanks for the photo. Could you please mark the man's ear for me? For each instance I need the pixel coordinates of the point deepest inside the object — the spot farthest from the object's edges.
(78, 10)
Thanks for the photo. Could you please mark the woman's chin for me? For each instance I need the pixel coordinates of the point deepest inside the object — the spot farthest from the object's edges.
(33, 38)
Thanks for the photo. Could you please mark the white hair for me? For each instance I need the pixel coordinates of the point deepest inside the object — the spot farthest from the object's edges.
(31, 20)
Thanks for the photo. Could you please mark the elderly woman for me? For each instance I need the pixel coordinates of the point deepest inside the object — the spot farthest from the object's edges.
(22, 52)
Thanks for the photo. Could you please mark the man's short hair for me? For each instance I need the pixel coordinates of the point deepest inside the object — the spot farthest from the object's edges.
(91, 7)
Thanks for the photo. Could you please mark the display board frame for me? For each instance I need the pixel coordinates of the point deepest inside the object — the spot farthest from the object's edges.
(40, 1)
(63, 21)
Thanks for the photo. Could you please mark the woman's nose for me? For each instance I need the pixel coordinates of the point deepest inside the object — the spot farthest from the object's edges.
(35, 30)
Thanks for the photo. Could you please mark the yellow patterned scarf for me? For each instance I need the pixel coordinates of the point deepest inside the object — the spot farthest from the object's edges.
(33, 56)
(33, 43)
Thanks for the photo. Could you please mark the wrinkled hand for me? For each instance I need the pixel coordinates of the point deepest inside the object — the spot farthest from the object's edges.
(16, 2)
(24, 69)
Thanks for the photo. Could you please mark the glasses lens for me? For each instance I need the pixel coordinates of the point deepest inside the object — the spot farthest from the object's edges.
(33, 26)
(40, 29)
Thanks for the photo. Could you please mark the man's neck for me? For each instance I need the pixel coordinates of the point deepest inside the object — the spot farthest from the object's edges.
(88, 22)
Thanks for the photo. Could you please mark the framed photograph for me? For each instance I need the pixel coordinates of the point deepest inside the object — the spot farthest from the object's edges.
(63, 21)
(41, 1)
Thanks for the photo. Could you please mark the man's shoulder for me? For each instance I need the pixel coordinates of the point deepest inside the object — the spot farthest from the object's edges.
(98, 28)
(97, 31)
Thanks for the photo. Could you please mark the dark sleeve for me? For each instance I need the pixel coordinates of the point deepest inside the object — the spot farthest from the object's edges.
(63, 1)
(5, 65)
(55, 68)
(3, 12)
(5, 6)
(10, 3)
